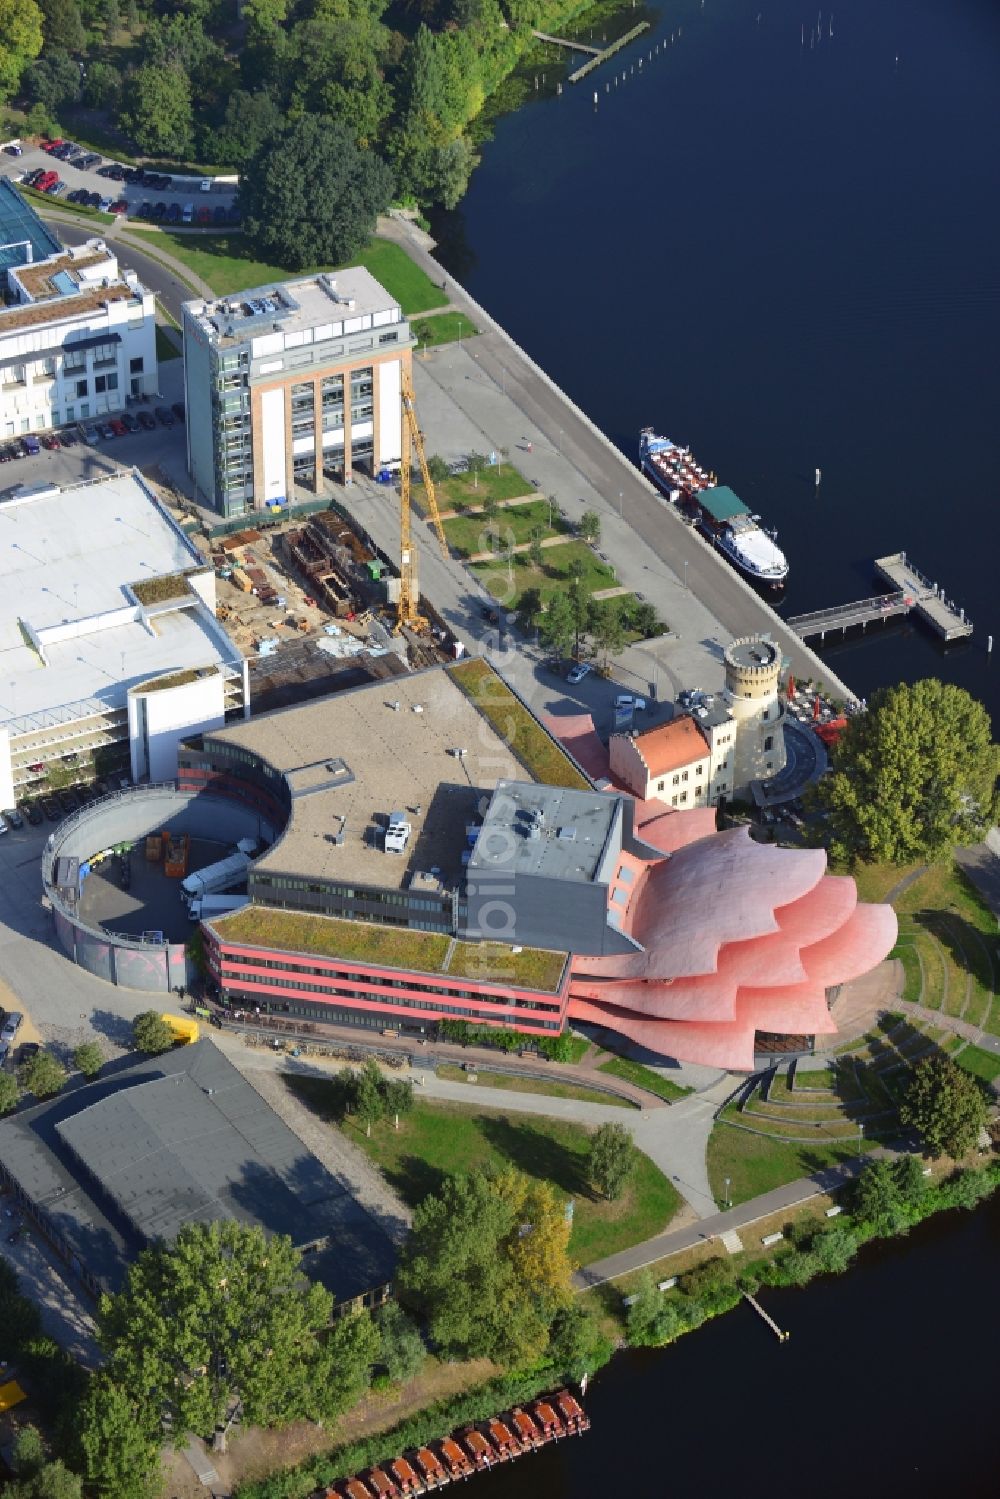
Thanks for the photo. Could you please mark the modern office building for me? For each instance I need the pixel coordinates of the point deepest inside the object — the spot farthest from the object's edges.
(111, 646)
(423, 870)
(110, 1168)
(291, 387)
(77, 334)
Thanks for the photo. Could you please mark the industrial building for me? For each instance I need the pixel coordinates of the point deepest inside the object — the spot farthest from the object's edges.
(423, 870)
(107, 1169)
(291, 386)
(111, 646)
(77, 334)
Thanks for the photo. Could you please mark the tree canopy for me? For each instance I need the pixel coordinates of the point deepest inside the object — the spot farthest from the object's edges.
(21, 30)
(310, 196)
(912, 776)
(612, 1159)
(43, 1074)
(486, 1264)
(151, 1033)
(946, 1105)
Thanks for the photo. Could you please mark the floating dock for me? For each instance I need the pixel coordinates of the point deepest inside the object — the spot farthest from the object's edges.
(844, 616)
(944, 617)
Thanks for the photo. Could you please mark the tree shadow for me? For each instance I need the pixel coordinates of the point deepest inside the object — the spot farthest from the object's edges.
(537, 1154)
(413, 1178)
(963, 942)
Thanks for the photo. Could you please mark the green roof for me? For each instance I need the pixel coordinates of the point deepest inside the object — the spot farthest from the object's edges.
(722, 503)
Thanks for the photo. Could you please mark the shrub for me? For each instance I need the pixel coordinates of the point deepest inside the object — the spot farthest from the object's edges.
(88, 1059)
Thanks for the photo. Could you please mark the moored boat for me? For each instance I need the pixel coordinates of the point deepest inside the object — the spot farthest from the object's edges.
(572, 1412)
(428, 1465)
(381, 1484)
(478, 1447)
(404, 1477)
(718, 512)
(454, 1459)
(527, 1432)
(552, 1426)
(504, 1443)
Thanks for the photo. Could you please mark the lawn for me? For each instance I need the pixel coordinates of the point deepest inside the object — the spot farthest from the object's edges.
(165, 346)
(227, 263)
(756, 1164)
(490, 962)
(469, 534)
(498, 481)
(436, 1140)
(522, 733)
(446, 328)
(531, 1085)
(981, 1063)
(644, 1077)
(551, 578)
(82, 210)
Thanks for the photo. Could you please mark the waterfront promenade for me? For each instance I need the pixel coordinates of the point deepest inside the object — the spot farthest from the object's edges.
(519, 404)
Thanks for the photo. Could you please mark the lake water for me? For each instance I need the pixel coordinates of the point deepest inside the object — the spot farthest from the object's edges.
(884, 1389)
(789, 258)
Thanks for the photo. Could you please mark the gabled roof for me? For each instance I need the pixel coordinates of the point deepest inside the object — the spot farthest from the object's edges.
(671, 745)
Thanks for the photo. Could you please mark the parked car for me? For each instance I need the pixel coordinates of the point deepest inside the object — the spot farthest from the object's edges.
(91, 434)
(159, 212)
(165, 416)
(219, 213)
(52, 809)
(78, 195)
(42, 183)
(30, 446)
(174, 213)
(105, 431)
(93, 200)
(50, 441)
(118, 427)
(130, 422)
(28, 1050)
(56, 188)
(14, 450)
(51, 145)
(13, 149)
(5, 455)
(188, 215)
(232, 214)
(14, 817)
(4, 825)
(147, 421)
(11, 1026)
(145, 209)
(204, 214)
(68, 437)
(33, 813)
(578, 672)
(90, 160)
(178, 409)
(627, 702)
(118, 207)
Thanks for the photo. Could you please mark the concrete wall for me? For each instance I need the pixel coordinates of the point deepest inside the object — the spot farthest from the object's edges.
(198, 399)
(158, 720)
(389, 447)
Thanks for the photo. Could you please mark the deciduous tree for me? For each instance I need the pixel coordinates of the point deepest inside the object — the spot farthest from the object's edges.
(21, 33)
(557, 626)
(590, 526)
(946, 1105)
(401, 1348)
(10, 1092)
(43, 1074)
(156, 109)
(53, 80)
(310, 196)
(913, 776)
(63, 25)
(88, 1058)
(612, 1159)
(53, 1481)
(223, 1313)
(151, 1033)
(119, 1436)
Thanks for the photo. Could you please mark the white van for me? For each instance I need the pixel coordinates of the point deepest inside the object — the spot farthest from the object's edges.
(188, 215)
(206, 185)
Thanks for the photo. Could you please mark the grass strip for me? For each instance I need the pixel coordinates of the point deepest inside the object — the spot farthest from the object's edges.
(541, 1085)
(644, 1077)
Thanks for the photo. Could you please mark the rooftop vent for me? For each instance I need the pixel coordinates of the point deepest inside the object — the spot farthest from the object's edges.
(567, 835)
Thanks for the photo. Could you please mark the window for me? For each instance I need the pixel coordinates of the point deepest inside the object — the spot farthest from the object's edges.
(105, 354)
(660, 785)
(135, 366)
(105, 382)
(684, 796)
(82, 389)
(769, 743)
(676, 780)
(684, 776)
(699, 770)
(74, 361)
(388, 338)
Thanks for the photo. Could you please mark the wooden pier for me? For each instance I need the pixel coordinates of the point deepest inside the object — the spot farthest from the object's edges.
(605, 52)
(942, 614)
(782, 1337)
(843, 616)
(563, 41)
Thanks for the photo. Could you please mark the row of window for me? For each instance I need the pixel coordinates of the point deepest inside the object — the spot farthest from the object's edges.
(281, 965)
(231, 976)
(348, 892)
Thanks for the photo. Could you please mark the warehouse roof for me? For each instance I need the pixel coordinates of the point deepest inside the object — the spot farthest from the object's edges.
(185, 1138)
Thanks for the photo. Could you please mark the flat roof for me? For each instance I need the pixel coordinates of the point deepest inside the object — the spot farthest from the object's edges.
(65, 559)
(294, 306)
(546, 830)
(722, 503)
(185, 1138)
(755, 652)
(396, 738)
(20, 222)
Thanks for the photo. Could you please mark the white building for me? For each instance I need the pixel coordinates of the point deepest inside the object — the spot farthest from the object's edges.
(290, 386)
(109, 644)
(78, 337)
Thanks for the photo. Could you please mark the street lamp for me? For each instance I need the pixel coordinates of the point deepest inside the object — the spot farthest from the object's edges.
(861, 1136)
(621, 511)
(685, 573)
(728, 1180)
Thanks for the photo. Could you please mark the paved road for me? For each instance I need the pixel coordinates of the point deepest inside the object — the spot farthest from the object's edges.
(170, 290)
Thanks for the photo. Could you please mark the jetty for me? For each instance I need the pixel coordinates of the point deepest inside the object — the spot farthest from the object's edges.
(564, 41)
(604, 53)
(843, 616)
(781, 1336)
(942, 614)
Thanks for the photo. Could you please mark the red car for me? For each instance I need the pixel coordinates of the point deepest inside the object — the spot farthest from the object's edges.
(50, 441)
(120, 207)
(45, 181)
(118, 427)
(204, 216)
(51, 145)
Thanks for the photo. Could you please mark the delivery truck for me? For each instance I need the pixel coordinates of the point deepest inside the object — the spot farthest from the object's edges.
(223, 874)
(204, 907)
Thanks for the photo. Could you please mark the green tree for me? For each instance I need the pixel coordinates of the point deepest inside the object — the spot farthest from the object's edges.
(945, 1105)
(369, 1103)
(119, 1436)
(398, 1096)
(557, 626)
(102, 86)
(438, 468)
(574, 1339)
(876, 1199)
(606, 627)
(223, 1313)
(250, 119)
(151, 1033)
(578, 594)
(448, 170)
(53, 80)
(645, 620)
(9, 1092)
(912, 776)
(910, 1178)
(341, 1370)
(28, 1452)
(612, 1159)
(491, 505)
(156, 109)
(53, 1481)
(970, 1187)
(401, 1348)
(468, 1269)
(63, 26)
(43, 1075)
(535, 551)
(309, 196)
(652, 1319)
(88, 1058)
(40, 121)
(21, 30)
(590, 526)
(834, 1249)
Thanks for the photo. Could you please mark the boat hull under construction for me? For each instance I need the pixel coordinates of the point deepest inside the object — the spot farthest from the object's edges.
(719, 514)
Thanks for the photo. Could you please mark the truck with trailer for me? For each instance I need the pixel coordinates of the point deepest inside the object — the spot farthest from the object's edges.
(223, 874)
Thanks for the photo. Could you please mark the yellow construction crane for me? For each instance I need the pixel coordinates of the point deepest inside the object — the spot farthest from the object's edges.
(407, 612)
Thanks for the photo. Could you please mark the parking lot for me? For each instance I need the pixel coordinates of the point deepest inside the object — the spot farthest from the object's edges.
(179, 193)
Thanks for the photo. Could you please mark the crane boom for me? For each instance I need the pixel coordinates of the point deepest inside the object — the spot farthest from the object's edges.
(406, 609)
(410, 414)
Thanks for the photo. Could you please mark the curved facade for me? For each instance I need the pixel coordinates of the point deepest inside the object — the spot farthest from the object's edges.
(731, 937)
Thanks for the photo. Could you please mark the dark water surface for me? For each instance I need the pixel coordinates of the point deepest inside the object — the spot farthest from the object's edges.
(883, 1389)
(788, 258)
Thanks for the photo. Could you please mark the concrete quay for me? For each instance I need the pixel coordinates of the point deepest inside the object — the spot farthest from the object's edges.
(491, 388)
